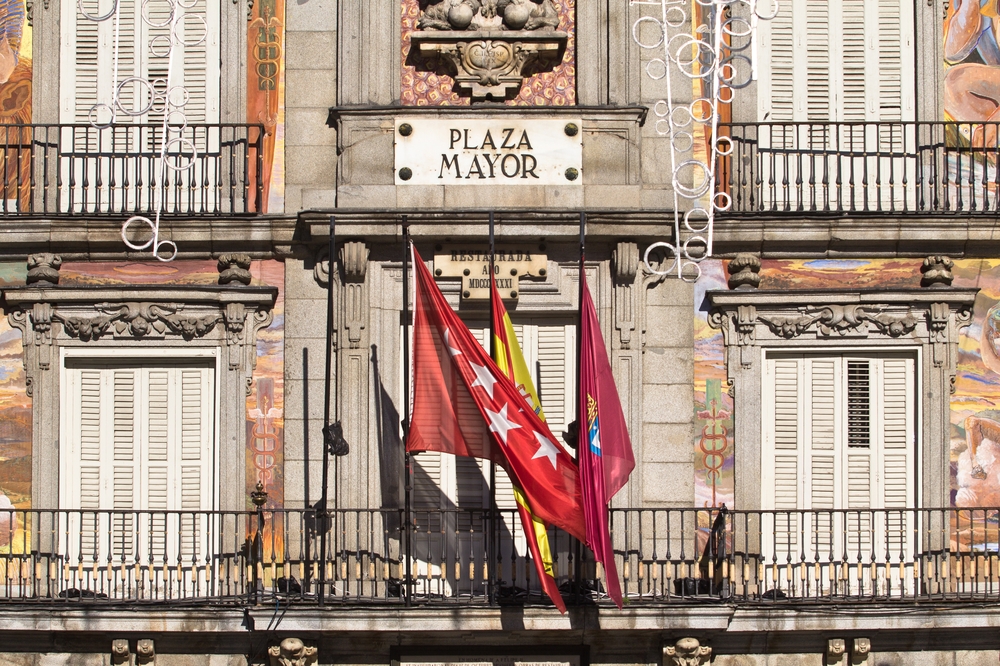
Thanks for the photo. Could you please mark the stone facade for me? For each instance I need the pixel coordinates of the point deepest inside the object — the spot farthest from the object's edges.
(349, 74)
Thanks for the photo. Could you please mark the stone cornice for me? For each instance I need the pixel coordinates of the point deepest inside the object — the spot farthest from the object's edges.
(274, 236)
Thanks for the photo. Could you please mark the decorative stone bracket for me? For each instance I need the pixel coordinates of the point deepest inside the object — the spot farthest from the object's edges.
(491, 63)
(50, 316)
(686, 652)
(292, 652)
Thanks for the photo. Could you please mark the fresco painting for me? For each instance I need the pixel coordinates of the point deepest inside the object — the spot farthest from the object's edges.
(15, 102)
(266, 95)
(427, 81)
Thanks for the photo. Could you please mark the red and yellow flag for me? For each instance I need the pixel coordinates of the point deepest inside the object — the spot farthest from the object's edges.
(510, 361)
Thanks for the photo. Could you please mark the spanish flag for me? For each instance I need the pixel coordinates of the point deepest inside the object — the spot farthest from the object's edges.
(508, 357)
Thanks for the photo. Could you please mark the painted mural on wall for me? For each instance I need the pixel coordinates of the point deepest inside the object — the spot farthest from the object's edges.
(427, 81)
(15, 411)
(15, 101)
(266, 95)
(972, 60)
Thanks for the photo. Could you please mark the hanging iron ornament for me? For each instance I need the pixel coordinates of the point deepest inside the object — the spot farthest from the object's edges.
(158, 95)
(711, 45)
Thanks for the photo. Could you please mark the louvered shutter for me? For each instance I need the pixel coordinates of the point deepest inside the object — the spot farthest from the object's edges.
(139, 439)
(839, 435)
(837, 61)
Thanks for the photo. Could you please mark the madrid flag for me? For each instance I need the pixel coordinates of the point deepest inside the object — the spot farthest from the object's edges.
(464, 405)
(510, 360)
(605, 451)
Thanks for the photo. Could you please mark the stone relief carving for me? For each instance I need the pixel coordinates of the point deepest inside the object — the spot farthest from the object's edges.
(86, 322)
(625, 265)
(835, 649)
(489, 15)
(292, 652)
(686, 652)
(937, 272)
(144, 651)
(490, 43)
(840, 320)
(234, 267)
(43, 268)
(744, 271)
(861, 647)
(120, 653)
(137, 320)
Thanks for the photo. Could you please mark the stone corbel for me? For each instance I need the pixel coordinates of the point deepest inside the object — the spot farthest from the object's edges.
(625, 267)
(145, 652)
(235, 267)
(354, 264)
(860, 648)
(836, 648)
(120, 653)
(686, 652)
(292, 652)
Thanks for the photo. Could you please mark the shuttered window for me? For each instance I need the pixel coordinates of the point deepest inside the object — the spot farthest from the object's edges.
(138, 438)
(141, 37)
(851, 60)
(838, 434)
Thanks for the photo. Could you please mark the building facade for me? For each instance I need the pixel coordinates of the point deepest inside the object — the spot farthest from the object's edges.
(789, 218)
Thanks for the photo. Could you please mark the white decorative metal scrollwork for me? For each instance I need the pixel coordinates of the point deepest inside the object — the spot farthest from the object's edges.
(706, 43)
(159, 95)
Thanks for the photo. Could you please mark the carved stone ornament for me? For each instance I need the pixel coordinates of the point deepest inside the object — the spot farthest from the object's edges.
(937, 272)
(43, 268)
(861, 647)
(292, 652)
(841, 320)
(490, 43)
(50, 316)
(686, 652)
(144, 651)
(744, 271)
(234, 267)
(835, 649)
(120, 653)
(354, 259)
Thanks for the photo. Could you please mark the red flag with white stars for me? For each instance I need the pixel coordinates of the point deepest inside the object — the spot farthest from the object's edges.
(464, 405)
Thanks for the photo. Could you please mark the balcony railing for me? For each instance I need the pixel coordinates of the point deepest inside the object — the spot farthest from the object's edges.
(880, 168)
(664, 556)
(116, 170)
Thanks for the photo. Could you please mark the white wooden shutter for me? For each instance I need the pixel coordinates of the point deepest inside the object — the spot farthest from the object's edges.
(139, 439)
(837, 61)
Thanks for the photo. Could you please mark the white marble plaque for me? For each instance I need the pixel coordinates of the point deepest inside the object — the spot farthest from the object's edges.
(500, 151)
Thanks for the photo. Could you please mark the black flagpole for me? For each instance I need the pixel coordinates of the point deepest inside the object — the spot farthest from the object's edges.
(581, 424)
(494, 528)
(322, 506)
(407, 536)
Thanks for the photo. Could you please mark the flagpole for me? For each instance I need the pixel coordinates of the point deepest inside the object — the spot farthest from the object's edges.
(581, 424)
(324, 523)
(494, 528)
(407, 537)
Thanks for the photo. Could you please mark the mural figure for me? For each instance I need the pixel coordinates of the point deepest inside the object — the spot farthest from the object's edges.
(972, 82)
(265, 95)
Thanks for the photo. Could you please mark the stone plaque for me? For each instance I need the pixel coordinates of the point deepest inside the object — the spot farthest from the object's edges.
(501, 151)
(473, 266)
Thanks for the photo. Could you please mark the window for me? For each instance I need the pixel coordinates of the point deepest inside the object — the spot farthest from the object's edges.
(839, 440)
(138, 438)
(153, 50)
(848, 61)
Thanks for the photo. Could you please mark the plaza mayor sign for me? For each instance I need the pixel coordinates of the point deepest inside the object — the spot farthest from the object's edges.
(473, 266)
(501, 151)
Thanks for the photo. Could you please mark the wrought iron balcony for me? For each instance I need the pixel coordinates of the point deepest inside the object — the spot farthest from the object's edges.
(81, 170)
(665, 556)
(863, 168)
